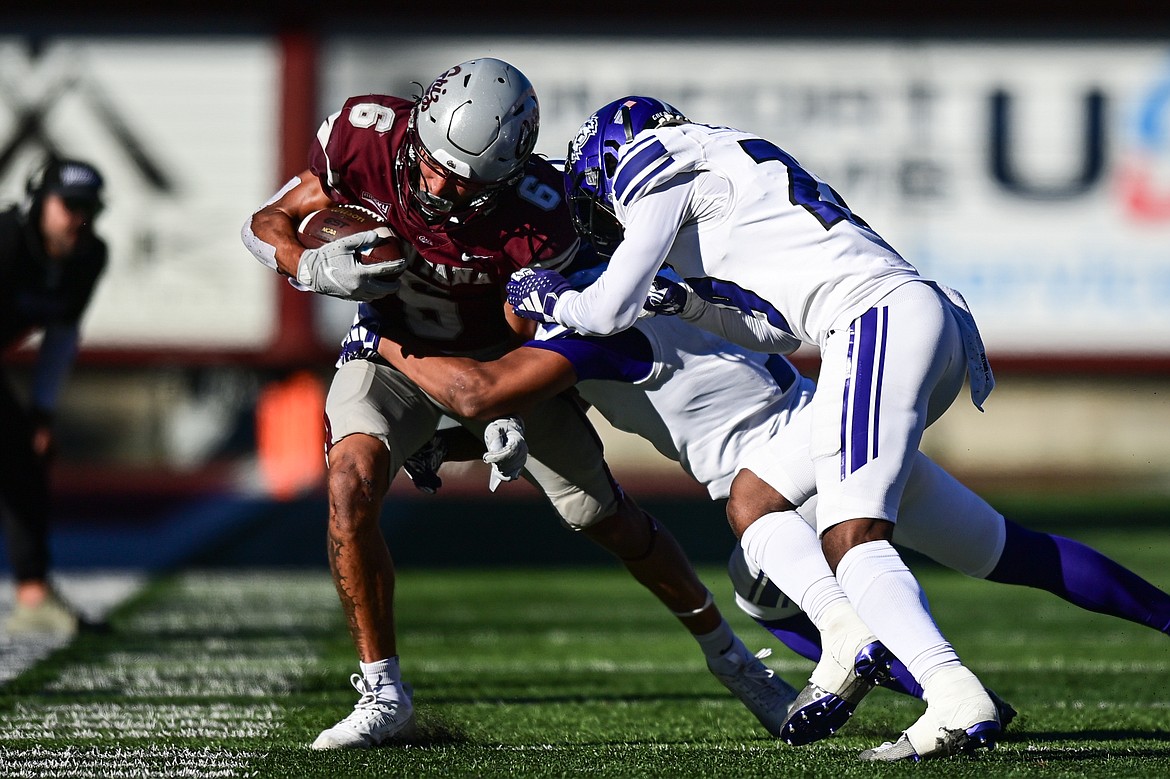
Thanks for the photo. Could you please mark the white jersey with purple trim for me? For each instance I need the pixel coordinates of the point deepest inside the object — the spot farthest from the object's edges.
(698, 399)
(746, 226)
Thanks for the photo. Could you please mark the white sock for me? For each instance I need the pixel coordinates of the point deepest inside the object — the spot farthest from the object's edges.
(724, 650)
(384, 678)
(718, 642)
(789, 552)
(889, 599)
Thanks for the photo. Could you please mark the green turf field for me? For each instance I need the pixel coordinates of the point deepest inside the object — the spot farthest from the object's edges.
(573, 672)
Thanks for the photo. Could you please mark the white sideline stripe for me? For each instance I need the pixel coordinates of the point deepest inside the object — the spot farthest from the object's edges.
(442, 665)
(785, 666)
(105, 720)
(211, 666)
(148, 762)
(1078, 705)
(133, 675)
(95, 594)
(1080, 665)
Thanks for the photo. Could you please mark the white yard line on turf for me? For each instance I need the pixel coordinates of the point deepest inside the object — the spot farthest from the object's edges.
(95, 594)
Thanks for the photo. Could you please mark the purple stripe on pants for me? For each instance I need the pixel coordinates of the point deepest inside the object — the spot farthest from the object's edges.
(881, 374)
(867, 356)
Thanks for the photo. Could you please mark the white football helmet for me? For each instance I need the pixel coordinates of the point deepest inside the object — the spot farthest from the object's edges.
(478, 121)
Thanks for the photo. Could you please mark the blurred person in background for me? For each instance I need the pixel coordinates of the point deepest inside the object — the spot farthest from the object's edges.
(50, 263)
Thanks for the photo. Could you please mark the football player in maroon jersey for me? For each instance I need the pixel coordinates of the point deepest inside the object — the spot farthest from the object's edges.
(452, 173)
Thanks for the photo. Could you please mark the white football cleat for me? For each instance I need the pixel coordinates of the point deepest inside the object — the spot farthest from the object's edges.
(372, 722)
(968, 719)
(765, 694)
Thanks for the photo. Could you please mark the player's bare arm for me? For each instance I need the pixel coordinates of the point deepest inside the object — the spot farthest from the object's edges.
(276, 222)
(525, 329)
(483, 390)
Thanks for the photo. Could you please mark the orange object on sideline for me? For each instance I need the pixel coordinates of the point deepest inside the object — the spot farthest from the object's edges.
(290, 435)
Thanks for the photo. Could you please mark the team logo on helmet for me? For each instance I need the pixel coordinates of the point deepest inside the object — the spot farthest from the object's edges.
(668, 116)
(586, 131)
(436, 88)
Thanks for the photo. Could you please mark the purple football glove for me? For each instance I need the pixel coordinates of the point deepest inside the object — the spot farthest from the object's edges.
(533, 293)
(361, 342)
(666, 297)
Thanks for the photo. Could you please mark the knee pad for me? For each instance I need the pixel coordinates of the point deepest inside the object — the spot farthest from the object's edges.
(755, 594)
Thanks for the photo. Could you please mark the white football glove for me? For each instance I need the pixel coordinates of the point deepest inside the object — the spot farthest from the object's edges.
(507, 451)
(336, 269)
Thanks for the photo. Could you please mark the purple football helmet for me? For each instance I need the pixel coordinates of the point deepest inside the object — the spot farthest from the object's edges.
(592, 160)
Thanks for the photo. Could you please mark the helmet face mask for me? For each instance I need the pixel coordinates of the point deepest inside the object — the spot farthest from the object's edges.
(435, 209)
(592, 160)
(590, 202)
(476, 125)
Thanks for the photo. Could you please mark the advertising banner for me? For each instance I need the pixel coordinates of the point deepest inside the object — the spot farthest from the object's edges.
(185, 132)
(1033, 176)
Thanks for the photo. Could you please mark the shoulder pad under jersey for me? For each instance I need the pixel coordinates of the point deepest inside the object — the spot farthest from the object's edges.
(653, 158)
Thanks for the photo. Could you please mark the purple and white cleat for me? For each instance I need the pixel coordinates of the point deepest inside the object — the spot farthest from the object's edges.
(834, 690)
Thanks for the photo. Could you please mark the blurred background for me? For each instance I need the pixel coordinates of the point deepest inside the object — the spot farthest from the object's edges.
(1019, 153)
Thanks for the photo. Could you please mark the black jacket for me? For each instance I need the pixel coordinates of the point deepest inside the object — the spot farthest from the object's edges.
(31, 294)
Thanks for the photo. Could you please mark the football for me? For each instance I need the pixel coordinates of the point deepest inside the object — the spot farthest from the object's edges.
(329, 224)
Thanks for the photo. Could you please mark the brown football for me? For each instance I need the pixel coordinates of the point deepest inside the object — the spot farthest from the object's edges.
(329, 224)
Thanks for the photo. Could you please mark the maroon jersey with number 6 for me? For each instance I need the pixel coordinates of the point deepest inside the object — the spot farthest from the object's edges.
(452, 290)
